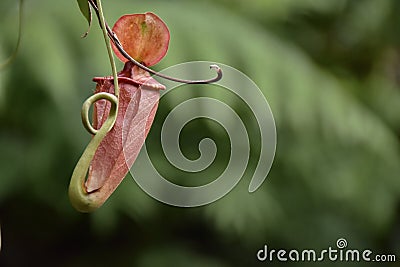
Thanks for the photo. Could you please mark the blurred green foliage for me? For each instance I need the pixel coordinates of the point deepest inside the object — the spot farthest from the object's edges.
(331, 73)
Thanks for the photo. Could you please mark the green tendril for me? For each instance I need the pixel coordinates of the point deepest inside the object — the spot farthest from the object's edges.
(109, 48)
(81, 199)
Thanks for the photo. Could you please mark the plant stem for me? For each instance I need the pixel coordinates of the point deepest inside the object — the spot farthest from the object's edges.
(109, 49)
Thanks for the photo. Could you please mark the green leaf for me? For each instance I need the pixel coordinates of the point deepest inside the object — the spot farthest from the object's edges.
(84, 7)
(86, 12)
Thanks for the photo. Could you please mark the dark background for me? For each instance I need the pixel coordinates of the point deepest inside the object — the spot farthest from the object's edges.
(331, 73)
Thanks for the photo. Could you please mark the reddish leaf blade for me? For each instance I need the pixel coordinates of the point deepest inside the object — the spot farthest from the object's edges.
(138, 101)
(145, 37)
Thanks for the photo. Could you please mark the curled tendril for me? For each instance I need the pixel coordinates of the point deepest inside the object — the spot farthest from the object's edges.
(89, 102)
(113, 37)
(80, 198)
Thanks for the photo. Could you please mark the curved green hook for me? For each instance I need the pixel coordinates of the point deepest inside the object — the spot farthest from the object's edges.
(79, 197)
